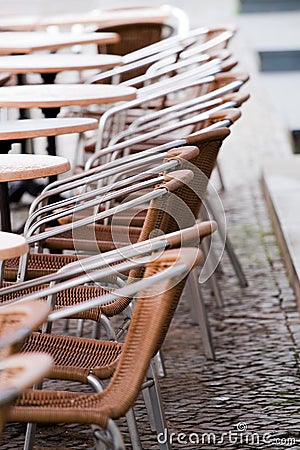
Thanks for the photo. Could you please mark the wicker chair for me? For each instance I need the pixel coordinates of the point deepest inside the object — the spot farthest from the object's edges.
(195, 41)
(99, 358)
(102, 357)
(153, 312)
(192, 83)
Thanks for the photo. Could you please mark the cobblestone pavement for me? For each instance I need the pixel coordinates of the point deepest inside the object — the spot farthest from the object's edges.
(249, 397)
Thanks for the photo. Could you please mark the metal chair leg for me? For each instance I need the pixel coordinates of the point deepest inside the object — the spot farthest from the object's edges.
(133, 430)
(220, 175)
(79, 331)
(228, 247)
(29, 436)
(200, 314)
(31, 428)
(213, 278)
(159, 364)
(109, 439)
(158, 411)
(235, 263)
(150, 413)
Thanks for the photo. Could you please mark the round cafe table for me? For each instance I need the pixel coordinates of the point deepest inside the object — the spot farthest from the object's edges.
(98, 17)
(17, 131)
(58, 95)
(18, 42)
(25, 167)
(12, 131)
(19, 22)
(12, 245)
(48, 65)
(51, 97)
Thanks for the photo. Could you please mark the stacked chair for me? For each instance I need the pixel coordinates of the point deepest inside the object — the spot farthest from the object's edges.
(117, 242)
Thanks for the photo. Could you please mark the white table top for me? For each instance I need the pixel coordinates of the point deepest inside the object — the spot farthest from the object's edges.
(19, 22)
(108, 17)
(30, 128)
(58, 95)
(95, 17)
(15, 167)
(12, 245)
(28, 42)
(57, 62)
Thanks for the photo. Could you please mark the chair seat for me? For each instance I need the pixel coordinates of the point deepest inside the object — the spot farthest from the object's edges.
(38, 265)
(97, 238)
(74, 358)
(76, 295)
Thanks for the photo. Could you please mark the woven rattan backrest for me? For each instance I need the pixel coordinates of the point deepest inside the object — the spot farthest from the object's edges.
(173, 213)
(173, 182)
(220, 80)
(152, 315)
(180, 208)
(193, 193)
(134, 36)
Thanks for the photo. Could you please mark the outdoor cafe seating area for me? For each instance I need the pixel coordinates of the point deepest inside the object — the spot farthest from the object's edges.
(115, 134)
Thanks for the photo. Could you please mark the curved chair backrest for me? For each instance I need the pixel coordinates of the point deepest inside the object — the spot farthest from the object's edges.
(152, 315)
(181, 210)
(152, 312)
(157, 219)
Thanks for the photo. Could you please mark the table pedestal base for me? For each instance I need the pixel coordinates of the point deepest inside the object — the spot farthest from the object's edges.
(4, 208)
